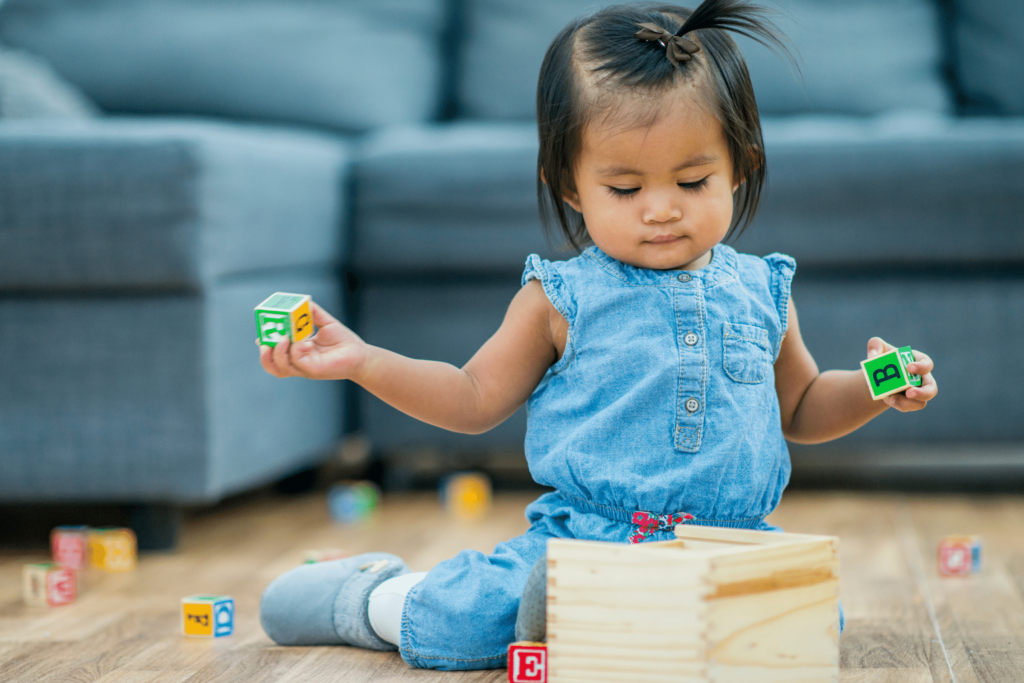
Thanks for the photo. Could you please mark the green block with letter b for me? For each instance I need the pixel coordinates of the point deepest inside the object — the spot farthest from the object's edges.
(887, 374)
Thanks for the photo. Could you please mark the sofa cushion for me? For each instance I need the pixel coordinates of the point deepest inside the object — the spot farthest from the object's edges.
(169, 205)
(858, 57)
(458, 196)
(29, 89)
(346, 64)
(892, 192)
(463, 196)
(988, 42)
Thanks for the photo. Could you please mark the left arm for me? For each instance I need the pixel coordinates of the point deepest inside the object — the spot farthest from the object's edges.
(818, 407)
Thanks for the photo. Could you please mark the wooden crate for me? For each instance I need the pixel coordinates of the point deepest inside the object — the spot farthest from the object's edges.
(722, 605)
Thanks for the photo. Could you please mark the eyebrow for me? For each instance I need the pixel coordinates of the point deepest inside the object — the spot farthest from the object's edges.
(689, 163)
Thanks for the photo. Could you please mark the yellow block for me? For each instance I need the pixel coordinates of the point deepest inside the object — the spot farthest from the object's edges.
(113, 550)
(302, 322)
(197, 619)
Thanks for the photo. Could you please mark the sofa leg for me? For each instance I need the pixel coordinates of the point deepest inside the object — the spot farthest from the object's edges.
(156, 525)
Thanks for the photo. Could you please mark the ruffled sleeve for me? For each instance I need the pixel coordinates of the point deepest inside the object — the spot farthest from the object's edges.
(781, 268)
(554, 286)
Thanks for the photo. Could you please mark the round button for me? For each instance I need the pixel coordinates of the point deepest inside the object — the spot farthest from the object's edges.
(690, 339)
(692, 405)
(684, 277)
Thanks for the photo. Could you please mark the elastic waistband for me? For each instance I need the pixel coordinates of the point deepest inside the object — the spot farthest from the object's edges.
(626, 516)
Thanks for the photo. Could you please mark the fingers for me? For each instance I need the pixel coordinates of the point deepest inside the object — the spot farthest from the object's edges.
(321, 318)
(877, 346)
(922, 364)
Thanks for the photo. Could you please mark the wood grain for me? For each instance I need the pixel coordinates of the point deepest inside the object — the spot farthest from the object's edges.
(124, 627)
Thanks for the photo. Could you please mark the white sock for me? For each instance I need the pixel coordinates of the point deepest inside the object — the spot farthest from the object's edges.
(386, 604)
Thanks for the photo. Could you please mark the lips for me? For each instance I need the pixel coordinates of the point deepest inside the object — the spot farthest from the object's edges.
(660, 239)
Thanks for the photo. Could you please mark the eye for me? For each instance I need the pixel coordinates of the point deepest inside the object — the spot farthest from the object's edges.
(695, 186)
(623, 191)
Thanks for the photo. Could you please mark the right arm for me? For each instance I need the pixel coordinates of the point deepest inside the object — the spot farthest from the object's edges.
(475, 398)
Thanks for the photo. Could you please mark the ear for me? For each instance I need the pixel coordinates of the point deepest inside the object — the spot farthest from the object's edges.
(758, 158)
(572, 198)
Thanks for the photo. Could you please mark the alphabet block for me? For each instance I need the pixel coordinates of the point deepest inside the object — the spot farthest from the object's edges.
(466, 494)
(284, 315)
(47, 584)
(207, 616)
(70, 545)
(528, 662)
(351, 502)
(960, 555)
(112, 550)
(887, 373)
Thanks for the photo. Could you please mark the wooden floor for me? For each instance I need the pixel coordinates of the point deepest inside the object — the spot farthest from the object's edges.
(904, 623)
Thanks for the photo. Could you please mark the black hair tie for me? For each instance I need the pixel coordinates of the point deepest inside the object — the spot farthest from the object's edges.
(677, 48)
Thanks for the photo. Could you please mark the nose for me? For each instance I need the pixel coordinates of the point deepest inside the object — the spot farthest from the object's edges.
(661, 209)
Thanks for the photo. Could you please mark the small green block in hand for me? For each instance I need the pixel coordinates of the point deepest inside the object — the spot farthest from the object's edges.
(887, 373)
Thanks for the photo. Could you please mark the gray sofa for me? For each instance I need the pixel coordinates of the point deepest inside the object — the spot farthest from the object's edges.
(390, 145)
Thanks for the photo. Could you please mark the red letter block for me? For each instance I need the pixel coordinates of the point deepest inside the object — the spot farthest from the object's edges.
(528, 662)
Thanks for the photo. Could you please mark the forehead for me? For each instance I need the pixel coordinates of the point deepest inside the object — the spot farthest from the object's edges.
(636, 131)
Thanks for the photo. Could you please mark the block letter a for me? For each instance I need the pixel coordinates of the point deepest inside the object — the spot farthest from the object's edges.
(885, 374)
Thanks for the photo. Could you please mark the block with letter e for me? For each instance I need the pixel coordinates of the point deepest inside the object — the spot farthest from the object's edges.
(887, 373)
(284, 315)
(528, 662)
(207, 616)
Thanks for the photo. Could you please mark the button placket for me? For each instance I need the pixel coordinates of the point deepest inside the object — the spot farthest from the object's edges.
(690, 331)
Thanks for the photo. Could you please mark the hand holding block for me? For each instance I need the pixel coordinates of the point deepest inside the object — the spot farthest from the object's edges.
(528, 662)
(70, 546)
(887, 373)
(284, 315)
(960, 555)
(207, 616)
(112, 550)
(466, 495)
(47, 584)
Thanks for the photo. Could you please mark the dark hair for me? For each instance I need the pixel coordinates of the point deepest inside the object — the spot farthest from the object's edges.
(605, 44)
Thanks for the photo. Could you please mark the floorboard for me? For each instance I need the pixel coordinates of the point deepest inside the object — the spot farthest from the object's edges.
(905, 623)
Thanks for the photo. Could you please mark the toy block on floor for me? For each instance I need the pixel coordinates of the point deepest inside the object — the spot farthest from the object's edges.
(207, 616)
(70, 545)
(324, 555)
(466, 495)
(47, 584)
(887, 374)
(352, 502)
(113, 549)
(284, 315)
(960, 555)
(528, 662)
(713, 605)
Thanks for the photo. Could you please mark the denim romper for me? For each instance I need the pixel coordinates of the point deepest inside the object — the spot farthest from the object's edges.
(661, 410)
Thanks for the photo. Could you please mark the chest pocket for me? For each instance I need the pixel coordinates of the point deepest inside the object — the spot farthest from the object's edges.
(747, 356)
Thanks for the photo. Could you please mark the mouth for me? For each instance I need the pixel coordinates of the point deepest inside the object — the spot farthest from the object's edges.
(664, 239)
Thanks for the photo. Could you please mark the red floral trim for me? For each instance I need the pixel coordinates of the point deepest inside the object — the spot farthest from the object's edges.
(645, 524)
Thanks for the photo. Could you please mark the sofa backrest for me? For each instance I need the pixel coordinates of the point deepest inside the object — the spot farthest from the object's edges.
(856, 57)
(988, 51)
(345, 64)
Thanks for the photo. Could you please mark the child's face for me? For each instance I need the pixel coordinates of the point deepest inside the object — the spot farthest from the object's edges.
(658, 197)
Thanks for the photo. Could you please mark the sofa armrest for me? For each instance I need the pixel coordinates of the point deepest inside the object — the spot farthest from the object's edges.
(166, 205)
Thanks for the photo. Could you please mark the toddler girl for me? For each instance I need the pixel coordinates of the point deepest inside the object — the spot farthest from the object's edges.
(663, 371)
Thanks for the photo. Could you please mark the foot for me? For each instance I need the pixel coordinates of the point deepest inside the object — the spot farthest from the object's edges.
(325, 603)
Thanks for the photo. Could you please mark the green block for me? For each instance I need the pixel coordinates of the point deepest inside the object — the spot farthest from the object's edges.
(273, 326)
(885, 374)
(907, 356)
